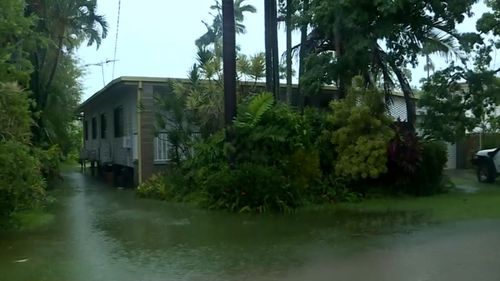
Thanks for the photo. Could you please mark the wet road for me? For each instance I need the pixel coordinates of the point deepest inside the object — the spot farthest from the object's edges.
(101, 233)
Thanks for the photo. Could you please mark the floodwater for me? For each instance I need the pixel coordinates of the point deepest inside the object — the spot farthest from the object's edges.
(103, 233)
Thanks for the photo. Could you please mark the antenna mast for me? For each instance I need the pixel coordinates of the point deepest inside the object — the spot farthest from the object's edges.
(116, 37)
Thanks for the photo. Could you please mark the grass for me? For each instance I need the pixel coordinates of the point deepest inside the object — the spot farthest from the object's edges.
(41, 216)
(469, 200)
(33, 219)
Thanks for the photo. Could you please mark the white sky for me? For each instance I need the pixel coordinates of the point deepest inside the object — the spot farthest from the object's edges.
(156, 38)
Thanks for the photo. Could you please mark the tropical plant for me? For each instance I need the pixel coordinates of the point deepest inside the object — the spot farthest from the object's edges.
(14, 114)
(213, 36)
(405, 152)
(253, 67)
(21, 182)
(229, 57)
(15, 34)
(271, 47)
(457, 100)
(62, 25)
(359, 128)
(347, 46)
(429, 178)
(251, 187)
(155, 187)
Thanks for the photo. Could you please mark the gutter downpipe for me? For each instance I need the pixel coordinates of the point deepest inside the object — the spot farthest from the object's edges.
(139, 132)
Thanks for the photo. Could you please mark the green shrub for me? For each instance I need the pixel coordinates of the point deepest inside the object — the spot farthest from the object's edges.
(15, 117)
(302, 168)
(428, 178)
(332, 189)
(318, 134)
(50, 161)
(266, 133)
(360, 131)
(251, 187)
(404, 153)
(21, 184)
(155, 188)
(274, 162)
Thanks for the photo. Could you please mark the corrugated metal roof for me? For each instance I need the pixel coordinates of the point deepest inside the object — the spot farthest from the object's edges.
(123, 79)
(137, 79)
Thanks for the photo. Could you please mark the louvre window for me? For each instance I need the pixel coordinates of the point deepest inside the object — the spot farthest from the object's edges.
(118, 122)
(86, 129)
(161, 147)
(104, 126)
(94, 128)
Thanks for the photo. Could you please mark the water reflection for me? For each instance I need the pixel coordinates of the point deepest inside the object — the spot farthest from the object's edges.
(101, 233)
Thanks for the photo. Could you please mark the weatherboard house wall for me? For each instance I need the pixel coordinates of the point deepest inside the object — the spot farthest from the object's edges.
(101, 140)
(126, 102)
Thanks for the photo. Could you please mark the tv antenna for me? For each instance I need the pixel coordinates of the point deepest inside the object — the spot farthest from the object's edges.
(116, 36)
(101, 64)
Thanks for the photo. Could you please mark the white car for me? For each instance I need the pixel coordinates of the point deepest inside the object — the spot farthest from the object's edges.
(487, 162)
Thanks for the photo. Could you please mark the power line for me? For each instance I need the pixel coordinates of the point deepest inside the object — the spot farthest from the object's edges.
(116, 37)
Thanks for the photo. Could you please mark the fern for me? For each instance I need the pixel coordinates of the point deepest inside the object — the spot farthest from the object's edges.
(250, 114)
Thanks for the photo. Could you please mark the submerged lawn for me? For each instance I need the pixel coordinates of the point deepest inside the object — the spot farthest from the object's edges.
(469, 200)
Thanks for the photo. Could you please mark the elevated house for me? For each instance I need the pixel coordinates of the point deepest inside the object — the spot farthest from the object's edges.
(119, 126)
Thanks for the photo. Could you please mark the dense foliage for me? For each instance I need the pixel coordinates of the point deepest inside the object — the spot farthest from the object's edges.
(21, 182)
(272, 157)
(280, 159)
(457, 100)
(39, 91)
(360, 133)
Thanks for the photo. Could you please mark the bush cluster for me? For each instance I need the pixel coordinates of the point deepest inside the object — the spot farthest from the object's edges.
(415, 167)
(22, 185)
(278, 158)
(155, 187)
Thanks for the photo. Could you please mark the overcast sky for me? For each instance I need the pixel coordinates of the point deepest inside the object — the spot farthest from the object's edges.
(156, 38)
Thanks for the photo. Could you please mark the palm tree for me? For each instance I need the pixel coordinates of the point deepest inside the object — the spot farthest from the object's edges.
(443, 44)
(271, 42)
(302, 50)
(355, 55)
(68, 23)
(229, 59)
(289, 70)
(215, 30)
(65, 24)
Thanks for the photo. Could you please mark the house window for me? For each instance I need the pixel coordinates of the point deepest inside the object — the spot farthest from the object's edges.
(94, 128)
(161, 147)
(86, 129)
(104, 126)
(118, 121)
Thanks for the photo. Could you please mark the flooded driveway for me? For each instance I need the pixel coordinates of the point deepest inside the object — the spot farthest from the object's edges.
(101, 233)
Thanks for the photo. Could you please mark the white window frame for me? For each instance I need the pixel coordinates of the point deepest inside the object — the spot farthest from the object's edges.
(161, 147)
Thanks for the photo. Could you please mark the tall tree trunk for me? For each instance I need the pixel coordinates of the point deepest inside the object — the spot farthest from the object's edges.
(272, 55)
(339, 53)
(229, 58)
(303, 51)
(45, 90)
(411, 115)
(274, 40)
(288, 20)
(268, 46)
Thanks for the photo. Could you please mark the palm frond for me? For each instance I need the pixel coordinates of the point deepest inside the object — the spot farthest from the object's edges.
(250, 114)
(442, 43)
